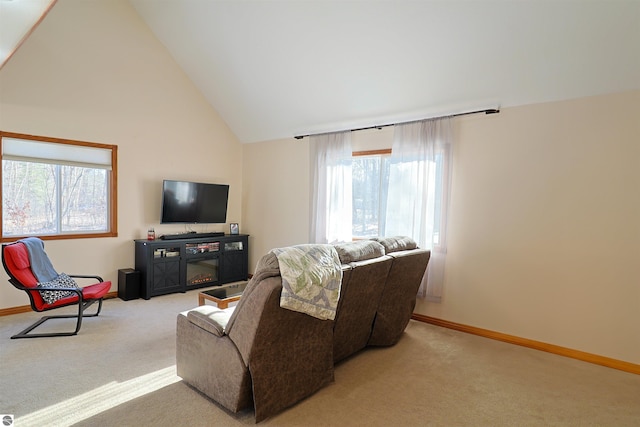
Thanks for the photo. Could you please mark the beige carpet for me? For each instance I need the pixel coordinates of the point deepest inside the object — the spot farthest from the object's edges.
(120, 371)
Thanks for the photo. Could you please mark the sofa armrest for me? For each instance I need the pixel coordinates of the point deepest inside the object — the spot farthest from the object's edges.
(212, 364)
(210, 318)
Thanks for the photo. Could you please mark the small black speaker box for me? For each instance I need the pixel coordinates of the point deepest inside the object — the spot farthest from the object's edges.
(128, 284)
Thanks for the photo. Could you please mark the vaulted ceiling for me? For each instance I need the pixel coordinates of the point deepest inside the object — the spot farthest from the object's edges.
(276, 69)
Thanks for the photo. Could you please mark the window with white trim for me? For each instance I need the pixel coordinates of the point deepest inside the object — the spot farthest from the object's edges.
(57, 188)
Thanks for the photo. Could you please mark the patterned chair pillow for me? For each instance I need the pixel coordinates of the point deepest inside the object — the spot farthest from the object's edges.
(396, 243)
(62, 281)
(359, 250)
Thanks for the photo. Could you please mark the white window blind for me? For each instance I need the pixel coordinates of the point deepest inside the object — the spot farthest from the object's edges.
(55, 153)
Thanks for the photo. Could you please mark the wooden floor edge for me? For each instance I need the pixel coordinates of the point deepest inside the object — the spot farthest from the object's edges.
(27, 308)
(537, 345)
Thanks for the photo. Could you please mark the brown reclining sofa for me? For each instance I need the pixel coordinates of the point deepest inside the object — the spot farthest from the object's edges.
(260, 354)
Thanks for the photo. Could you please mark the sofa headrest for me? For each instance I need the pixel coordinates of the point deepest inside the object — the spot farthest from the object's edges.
(268, 262)
(396, 243)
(359, 250)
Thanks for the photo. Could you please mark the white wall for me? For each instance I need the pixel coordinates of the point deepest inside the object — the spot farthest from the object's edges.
(275, 197)
(92, 71)
(545, 230)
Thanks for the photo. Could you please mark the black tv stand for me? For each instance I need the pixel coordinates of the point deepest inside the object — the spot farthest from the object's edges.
(179, 265)
(191, 235)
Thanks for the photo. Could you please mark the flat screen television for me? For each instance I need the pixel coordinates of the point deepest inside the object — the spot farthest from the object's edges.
(194, 202)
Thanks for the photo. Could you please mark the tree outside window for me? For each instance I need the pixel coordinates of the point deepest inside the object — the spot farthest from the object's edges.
(370, 180)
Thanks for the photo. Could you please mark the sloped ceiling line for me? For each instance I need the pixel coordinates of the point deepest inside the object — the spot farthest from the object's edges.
(18, 19)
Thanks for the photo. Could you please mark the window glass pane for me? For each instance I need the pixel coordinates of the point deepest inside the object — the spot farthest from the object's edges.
(45, 199)
(370, 177)
(385, 170)
(84, 199)
(28, 198)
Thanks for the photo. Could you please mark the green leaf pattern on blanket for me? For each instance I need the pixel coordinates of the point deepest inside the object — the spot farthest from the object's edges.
(311, 279)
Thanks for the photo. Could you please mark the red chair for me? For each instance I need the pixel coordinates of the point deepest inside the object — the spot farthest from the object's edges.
(16, 262)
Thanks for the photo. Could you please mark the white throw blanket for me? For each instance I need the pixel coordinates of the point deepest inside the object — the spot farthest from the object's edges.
(311, 279)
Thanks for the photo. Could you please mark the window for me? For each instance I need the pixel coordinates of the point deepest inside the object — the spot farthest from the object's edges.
(370, 180)
(57, 188)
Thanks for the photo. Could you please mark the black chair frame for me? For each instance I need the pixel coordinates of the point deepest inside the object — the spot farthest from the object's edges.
(82, 306)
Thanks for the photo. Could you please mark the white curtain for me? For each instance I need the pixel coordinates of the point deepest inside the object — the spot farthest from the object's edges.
(331, 202)
(418, 198)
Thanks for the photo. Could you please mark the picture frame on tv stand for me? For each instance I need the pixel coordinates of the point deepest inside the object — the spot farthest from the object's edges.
(234, 228)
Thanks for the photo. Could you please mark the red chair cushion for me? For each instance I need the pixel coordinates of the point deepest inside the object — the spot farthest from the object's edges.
(96, 291)
(20, 255)
(16, 258)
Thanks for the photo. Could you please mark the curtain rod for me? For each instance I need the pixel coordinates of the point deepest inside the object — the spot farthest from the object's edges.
(486, 111)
